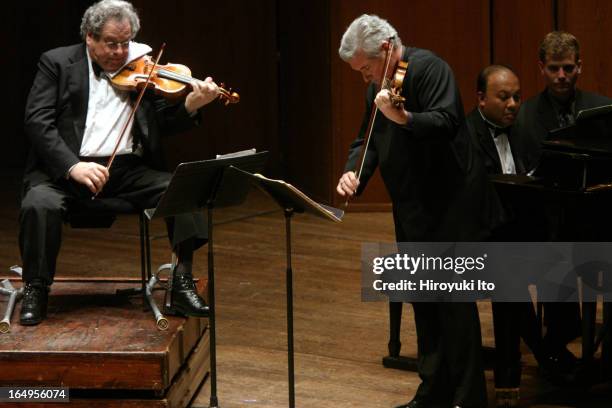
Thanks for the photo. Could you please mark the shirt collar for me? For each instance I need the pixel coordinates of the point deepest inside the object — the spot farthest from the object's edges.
(493, 128)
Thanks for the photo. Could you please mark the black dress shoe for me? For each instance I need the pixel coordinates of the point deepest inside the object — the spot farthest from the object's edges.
(184, 298)
(559, 367)
(33, 304)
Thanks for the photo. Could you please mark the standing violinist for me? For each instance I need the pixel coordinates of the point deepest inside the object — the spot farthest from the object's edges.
(438, 194)
(73, 119)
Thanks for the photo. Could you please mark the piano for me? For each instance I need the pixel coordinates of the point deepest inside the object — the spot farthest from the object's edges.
(566, 197)
(570, 192)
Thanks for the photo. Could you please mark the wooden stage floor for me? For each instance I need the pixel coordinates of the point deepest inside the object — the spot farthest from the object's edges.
(339, 340)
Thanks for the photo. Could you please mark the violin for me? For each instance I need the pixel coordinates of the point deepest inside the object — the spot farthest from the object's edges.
(395, 83)
(172, 81)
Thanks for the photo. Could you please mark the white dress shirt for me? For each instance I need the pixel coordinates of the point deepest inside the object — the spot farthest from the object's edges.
(504, 151)
(108, 110)
(502, 144)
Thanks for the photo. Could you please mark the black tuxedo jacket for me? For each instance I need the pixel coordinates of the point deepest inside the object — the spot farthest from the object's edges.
(437, 188)
(485, 146)
(537, 117)
(56, 111)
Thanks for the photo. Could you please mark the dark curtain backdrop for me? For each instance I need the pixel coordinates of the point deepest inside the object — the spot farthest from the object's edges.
(298, 99)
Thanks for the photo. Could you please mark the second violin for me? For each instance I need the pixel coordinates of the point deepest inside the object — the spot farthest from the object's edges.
(171, 80)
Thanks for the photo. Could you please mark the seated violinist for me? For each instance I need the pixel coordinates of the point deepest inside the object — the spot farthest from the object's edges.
(73, 120)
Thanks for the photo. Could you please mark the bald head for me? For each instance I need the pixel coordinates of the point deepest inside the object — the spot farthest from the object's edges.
(499, 94)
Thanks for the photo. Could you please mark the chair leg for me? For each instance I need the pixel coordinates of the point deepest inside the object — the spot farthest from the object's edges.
(395, 324)
(540, 318)
(148, 246)
(14, 295)
(606, 346)
(588, 331)
(148, 280)
(143, 256)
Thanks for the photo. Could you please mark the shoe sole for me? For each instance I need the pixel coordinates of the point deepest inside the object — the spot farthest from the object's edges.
(177, 311)
(30, 322)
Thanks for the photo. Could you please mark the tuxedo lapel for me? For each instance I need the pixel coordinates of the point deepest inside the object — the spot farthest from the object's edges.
(141, 128)
(516, 154)
(77, 75)
(546, 114)
(580, 102)
(486, 141)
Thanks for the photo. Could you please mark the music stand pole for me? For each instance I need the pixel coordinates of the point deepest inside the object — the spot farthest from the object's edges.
(214, 402)
(289, 279)
(292, 201)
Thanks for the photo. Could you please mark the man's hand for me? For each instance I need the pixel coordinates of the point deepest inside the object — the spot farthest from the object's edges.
(203, 93)
(383, 102)
(93, 175)
(347, 185)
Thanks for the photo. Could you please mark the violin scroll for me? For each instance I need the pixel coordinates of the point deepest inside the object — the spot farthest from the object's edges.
(227, 96)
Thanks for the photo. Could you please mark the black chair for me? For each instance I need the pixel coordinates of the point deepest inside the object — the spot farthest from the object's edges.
(102, 213)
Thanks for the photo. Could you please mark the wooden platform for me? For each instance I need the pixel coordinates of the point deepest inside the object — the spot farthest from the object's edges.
(107, 350)
(339, 340)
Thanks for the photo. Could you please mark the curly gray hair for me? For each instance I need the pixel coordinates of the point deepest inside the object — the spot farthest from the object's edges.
(367, 32)
(98, 14)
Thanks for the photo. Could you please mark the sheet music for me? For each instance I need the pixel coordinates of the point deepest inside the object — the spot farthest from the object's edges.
(587, 113)
(240, 153)
(334, 214)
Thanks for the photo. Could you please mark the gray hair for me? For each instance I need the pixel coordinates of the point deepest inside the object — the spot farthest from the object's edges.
(366, 33)
(98, 14)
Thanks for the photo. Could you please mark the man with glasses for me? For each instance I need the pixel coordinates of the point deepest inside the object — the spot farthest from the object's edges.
(556, 107)
(73, 120)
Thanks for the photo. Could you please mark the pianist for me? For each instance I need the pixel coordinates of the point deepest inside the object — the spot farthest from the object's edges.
(489, 126)
(555, 107)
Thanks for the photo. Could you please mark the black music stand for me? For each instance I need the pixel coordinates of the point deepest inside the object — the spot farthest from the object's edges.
(291, 200)
(207, 184)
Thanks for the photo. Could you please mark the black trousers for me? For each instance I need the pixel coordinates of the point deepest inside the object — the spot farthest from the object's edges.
(449, 343)
(450, 354)
(44, 208)
(511, 322)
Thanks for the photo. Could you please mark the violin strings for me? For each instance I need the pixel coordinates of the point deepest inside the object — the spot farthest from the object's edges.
(182, 78)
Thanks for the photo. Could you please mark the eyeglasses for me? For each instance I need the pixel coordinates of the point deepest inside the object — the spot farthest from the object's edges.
(112, 45)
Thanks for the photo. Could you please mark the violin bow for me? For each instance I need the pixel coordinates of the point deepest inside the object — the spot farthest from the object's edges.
(373, 113)
(140, 94)
(126, 124)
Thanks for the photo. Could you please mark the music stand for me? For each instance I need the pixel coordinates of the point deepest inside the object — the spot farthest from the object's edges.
(590, 134)
(195, 185)
(291, 200)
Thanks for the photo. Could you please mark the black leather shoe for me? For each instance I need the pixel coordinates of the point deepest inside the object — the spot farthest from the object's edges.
(560, 367)
(33, 304)
(184, 298)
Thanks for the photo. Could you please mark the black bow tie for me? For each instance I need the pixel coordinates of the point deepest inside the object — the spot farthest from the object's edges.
(498, 131)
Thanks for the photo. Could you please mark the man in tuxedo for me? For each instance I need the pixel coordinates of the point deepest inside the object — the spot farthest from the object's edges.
(489, 126)
(499, 98)
(557, 106)
(73, 120)
(437, 193)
